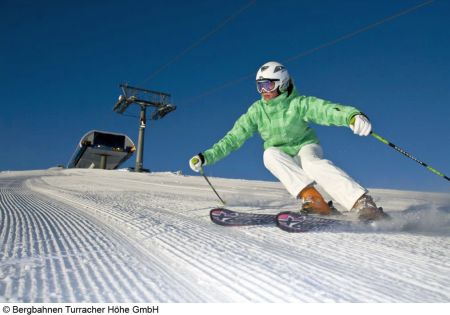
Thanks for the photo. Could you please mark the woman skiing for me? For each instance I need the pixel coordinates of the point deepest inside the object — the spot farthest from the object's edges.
(291, 148)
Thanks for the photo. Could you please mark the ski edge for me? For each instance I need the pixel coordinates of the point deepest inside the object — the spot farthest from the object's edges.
(242, 218)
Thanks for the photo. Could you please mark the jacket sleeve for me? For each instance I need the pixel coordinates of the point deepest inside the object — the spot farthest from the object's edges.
(233, 140)
(323, 112)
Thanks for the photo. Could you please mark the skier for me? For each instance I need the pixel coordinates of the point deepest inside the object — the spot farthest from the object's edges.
(292, 151)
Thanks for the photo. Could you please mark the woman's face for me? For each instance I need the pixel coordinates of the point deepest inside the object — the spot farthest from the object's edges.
(270, 95)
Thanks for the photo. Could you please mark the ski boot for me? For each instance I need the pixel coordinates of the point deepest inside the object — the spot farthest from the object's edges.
(313, 203)
(367, 210)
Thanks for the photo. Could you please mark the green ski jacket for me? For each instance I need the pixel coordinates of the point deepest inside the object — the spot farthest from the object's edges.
(282, 122)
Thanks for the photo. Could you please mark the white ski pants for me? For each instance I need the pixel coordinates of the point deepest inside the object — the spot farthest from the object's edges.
(309, 167)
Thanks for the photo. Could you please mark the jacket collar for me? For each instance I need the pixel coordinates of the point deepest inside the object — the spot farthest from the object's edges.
(280, 99)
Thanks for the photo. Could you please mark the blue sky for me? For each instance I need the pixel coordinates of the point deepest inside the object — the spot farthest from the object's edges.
(61, 64)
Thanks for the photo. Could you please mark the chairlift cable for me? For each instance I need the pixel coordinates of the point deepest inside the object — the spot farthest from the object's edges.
(315, 49)
(199, 41)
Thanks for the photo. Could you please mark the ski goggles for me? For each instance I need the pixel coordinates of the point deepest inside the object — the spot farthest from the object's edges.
(266, 85)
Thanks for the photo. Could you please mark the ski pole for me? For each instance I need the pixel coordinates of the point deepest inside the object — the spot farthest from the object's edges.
(376, 136)
(210, 185)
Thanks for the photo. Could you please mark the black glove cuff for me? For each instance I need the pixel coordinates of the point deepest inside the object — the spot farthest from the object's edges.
(202, 158)
(365, 116)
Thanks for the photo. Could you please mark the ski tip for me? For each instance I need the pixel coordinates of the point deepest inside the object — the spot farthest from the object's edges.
(217, 215)
(216, 212)
(289, 221)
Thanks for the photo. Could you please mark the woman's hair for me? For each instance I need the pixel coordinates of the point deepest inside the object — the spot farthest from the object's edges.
(290, 87)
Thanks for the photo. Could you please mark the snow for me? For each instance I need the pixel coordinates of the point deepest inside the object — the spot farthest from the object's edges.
(114, 236)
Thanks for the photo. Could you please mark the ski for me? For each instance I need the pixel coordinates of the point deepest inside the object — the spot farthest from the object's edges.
(228, 217)
(296, 222)
(288, 221)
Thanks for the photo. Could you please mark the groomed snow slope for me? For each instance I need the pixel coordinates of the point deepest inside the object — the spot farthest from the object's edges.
(110, 236)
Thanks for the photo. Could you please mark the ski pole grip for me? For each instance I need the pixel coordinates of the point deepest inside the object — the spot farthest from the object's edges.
(379, 138)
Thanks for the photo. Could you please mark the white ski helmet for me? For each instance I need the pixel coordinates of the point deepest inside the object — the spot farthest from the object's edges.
(273, 71)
